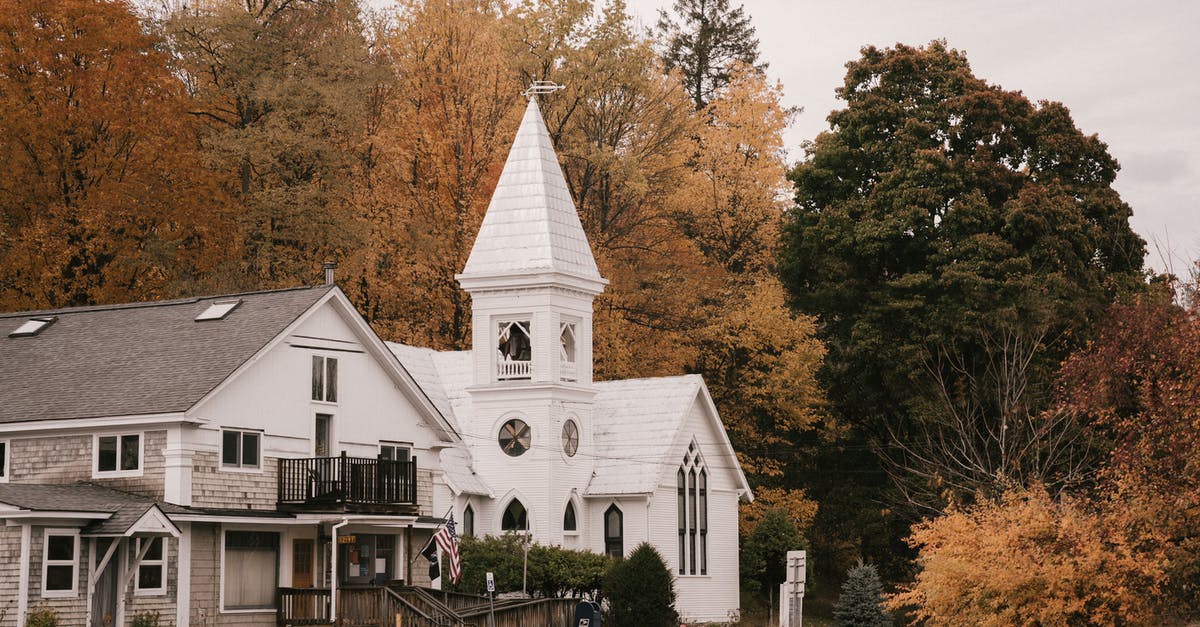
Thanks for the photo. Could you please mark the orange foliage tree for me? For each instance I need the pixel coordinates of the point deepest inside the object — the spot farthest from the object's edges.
(103, 197)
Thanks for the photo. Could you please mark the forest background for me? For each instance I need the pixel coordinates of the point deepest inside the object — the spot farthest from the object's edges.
(932, 339)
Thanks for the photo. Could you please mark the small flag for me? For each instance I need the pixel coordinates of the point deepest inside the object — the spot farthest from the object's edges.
(447, 540)
(431, 553)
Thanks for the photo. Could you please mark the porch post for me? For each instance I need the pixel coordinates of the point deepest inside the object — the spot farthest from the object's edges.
(333, 571)
(23, 576)
(183, 576)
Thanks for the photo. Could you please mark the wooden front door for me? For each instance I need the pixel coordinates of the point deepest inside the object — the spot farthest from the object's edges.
(302, 563)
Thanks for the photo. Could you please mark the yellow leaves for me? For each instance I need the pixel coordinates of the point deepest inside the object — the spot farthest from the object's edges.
(1030, 559)
(800, 509)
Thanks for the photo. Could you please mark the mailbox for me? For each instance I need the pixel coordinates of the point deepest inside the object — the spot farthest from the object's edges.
(587, 614)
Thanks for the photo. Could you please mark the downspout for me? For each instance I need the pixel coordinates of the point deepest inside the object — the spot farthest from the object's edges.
(333, 571)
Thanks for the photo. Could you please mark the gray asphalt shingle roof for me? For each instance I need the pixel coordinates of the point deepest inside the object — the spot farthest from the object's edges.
(138, 358)
(126, 508)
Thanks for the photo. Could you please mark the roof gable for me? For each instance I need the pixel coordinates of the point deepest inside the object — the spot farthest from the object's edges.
(137, 358)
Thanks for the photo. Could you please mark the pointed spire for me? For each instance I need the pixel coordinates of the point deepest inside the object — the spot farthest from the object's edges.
(531, 225)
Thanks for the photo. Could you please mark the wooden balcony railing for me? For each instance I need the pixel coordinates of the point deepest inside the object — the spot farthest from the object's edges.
(346, 483)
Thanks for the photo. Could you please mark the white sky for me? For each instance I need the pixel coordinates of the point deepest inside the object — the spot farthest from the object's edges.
(1128, 71)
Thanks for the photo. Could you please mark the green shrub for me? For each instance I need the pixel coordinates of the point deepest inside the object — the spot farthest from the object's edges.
(640, 591)
(553, 571)
(861, 601)
(41, 616)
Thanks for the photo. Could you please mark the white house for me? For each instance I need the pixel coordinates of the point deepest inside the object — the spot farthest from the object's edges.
(545, 449)
(236, 460)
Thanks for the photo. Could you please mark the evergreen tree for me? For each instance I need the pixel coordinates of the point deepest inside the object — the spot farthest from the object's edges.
(861, 601)
(640, 591)
(704, 38)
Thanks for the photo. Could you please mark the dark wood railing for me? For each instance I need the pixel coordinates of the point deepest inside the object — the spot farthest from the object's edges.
(302, 606)
(357, 607)
(346, 482)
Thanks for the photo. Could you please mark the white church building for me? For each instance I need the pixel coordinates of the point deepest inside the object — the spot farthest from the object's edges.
(545, 449)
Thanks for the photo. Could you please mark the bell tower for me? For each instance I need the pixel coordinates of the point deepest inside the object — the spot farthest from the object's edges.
(532, 281)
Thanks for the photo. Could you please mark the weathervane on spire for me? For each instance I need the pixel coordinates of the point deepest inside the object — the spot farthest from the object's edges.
(538, 88)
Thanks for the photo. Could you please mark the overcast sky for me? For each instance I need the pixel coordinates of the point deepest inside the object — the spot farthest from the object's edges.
(1128, 71)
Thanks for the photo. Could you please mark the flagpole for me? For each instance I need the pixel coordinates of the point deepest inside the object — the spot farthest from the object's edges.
(449, 511)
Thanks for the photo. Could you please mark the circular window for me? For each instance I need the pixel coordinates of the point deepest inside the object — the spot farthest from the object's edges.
(570, 438)
(514, 437)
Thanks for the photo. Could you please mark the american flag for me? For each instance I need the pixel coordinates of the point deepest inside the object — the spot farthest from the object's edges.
(447, 541)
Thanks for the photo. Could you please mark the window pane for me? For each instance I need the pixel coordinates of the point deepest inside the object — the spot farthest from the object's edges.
(331, 380)
(229, 447)
(60, 548)
(129, 452)
(107, 453)
(150, 576)
(569, 518)
(251, 560)
(469, 521)
(250, 449)
(318, 378)
(387, 453)
(60, 577)
(154, 553)
(3, 456)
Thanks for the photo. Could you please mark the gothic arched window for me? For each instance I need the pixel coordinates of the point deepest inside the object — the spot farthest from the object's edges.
(569, 523)
(515, 517)
(468, 520)
(614, 534)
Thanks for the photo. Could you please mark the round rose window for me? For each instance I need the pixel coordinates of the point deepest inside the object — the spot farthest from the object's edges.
(514, 437)
(570, 438)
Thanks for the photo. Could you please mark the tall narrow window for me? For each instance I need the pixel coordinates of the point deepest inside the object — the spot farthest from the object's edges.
(324, 379)
(3, 460)
(682, 508)
(692, 522)
(567, 351)
(515, 517)
(152, 571)
(703, 522)
(60, 564)
(569, 522)
(322, 438)
(468, 520)
(692, 505)
(614, 534)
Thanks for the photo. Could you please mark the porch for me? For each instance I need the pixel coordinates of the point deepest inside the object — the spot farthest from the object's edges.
(347, 484)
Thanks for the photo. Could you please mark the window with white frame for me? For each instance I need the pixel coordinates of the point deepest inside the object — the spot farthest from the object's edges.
(692, 507)
(152, 571)
(60, 563)
(395, 451)
(324, 379)
(250, 570)
(241, 449)
(3, 461)
(514, 350)
(567, 351)
(118, 454)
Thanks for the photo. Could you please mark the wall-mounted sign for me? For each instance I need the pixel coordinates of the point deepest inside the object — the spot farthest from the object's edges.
(347, 539)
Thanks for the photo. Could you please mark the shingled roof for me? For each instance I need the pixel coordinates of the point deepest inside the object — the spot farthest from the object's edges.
(137, 358)
(125, 508)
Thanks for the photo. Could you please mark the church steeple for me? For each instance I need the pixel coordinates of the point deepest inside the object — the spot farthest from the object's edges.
(531, 274)
(531, 225)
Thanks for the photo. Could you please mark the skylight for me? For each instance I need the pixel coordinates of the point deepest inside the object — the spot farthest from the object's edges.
(33, 326)
(218, 311)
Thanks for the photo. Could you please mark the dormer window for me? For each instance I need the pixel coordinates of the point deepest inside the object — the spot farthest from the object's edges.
(568, 349)
(514, 350)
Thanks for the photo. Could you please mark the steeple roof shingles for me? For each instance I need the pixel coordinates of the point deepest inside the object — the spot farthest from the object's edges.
(531, 224)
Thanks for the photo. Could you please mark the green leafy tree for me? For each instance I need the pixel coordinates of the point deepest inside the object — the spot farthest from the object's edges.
(764, 551)
(861, 603)
(704, 39)
(956, 241)
(640, 591)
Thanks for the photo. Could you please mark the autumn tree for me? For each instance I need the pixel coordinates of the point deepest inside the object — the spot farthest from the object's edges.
(1026, 558)
(282, 89)
(706, 40)
(944, 228)
(103, 197)
(445, 128)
